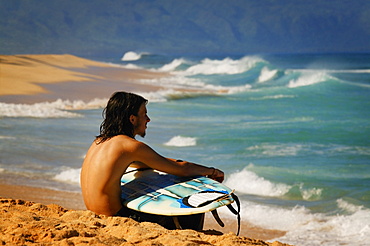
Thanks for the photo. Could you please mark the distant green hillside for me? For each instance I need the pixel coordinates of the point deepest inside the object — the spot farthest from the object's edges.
(111, 27)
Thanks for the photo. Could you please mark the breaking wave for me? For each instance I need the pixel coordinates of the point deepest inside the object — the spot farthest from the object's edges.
(180, 141)
(132, 56)
(309, 78)
(248, 182)
(57, 109)
(70, 175)
(225, 66)
(267, 74)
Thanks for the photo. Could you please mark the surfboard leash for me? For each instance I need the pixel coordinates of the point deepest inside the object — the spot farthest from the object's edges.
(232, 209)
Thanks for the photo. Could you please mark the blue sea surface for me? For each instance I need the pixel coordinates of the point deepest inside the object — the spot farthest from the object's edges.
(291, 133)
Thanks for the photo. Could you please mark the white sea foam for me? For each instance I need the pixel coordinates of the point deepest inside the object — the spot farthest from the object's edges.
(274, 217)
(132, 56)
(57, 109)
(184, 81)
(342, 204)
(248, 182)
(302, 225)
(310, 194)
(8, 137)
(70, 175)
(296, 149)
(172, 65)
(173, 94)
(331, 70)
(272, 97)
(354, 150)
(267, 74)
(308, 78)
(193, 86)
(225, 66)
(320, 229)
(275, 149)
(180, 141)
(167, 94)
(306, 228)
(38, 110)
(131, 66)
(127, 66)
(158, 96)
(209, 67)
(176, 81)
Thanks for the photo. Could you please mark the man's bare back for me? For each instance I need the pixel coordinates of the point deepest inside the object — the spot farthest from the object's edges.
(106, 161)
(101, 173)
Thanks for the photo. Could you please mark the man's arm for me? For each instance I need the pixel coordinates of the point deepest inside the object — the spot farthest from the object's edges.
(142, 153)
(216, 174)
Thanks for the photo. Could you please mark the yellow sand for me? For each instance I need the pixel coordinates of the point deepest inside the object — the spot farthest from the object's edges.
(26, 74)
(19, 74)
(27, 223)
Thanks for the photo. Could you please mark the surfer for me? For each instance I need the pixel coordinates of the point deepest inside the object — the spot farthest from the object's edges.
(116, 148)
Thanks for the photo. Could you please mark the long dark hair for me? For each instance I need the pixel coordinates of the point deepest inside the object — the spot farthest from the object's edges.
(116, 114)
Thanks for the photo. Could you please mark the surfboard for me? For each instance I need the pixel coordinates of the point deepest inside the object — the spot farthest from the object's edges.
(155, 192)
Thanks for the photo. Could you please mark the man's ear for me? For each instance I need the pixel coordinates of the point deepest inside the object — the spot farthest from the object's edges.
(132, 119)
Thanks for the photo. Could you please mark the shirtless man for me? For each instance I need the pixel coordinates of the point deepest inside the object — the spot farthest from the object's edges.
(115, 149)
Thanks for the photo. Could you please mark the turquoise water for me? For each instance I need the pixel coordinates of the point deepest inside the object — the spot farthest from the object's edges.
(290, 132)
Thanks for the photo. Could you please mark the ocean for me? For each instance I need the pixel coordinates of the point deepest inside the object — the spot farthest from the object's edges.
(291, 133)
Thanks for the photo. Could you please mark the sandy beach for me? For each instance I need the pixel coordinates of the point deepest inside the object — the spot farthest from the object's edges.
(33, 215)
(39, 78)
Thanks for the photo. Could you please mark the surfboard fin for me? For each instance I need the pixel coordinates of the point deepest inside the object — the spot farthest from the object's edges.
(217, 218)
(177, 223)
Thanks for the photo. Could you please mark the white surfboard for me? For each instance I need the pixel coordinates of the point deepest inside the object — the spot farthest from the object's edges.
(155, 192)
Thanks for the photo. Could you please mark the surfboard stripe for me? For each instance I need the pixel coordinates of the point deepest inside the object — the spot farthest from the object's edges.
(202, 182)
(191, 186)
(168, 193)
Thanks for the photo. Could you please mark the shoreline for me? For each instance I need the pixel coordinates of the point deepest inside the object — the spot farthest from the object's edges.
(74, 201)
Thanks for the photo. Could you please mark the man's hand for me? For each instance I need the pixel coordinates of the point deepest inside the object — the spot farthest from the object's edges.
(217, 175)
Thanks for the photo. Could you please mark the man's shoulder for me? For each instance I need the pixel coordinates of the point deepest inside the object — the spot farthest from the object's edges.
(121, 137)
(125, 140)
